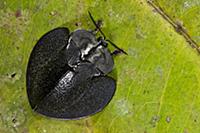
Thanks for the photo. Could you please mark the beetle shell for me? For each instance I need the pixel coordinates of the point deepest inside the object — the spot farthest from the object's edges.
(66, 77)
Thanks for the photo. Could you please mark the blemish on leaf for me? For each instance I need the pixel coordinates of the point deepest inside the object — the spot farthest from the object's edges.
(18, 13)
(123, 107)
(133, 52)
(139, 34)
(186, 4)
(154, 120)
(53, 13)
(78, 24)
(168, 119)
(14, 117)
(25, 131)
(186, 131)
(44, 130)
(145, 92)
(14, 23)
(13, 75)
(159, 71)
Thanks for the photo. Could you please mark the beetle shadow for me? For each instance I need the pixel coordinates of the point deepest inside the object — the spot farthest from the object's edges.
(113, 74)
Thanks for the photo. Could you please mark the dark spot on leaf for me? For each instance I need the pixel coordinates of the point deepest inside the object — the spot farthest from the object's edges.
(14, 120)
(13, 75)
(145, 92)
(78, 23)
(18, 13)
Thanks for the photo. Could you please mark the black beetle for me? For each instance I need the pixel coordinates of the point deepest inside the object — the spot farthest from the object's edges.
(67, 73)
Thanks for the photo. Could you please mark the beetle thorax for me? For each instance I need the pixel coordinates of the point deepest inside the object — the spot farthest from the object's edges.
(92, 51)
(86, 50)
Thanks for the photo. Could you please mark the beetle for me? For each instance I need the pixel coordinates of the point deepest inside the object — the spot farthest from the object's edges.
(67, 73)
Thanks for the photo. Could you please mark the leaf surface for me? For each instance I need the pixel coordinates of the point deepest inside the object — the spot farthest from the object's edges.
(158, 83)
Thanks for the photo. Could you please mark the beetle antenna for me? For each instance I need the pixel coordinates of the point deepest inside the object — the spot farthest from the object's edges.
(104, 34)
(114, 45)
(97, 25)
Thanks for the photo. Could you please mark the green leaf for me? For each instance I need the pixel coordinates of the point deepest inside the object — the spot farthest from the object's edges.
(158, 82)
(185, 12)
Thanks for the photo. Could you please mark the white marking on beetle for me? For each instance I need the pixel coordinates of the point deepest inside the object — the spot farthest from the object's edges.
(97, 54)
(70, 38)
(65, 82)
(87, 50)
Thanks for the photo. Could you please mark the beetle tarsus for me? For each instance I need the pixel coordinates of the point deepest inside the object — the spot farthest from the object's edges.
(116, 47)
(116, 52)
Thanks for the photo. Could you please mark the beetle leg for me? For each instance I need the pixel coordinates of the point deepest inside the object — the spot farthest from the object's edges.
(116, 52)
(104, 37)
(102, 42)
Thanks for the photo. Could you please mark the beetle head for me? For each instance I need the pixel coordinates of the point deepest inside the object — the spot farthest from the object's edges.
(93, 50)
(101, 58)
(84, 41)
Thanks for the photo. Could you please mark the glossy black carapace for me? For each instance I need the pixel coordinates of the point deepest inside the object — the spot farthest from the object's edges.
(67, 73)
